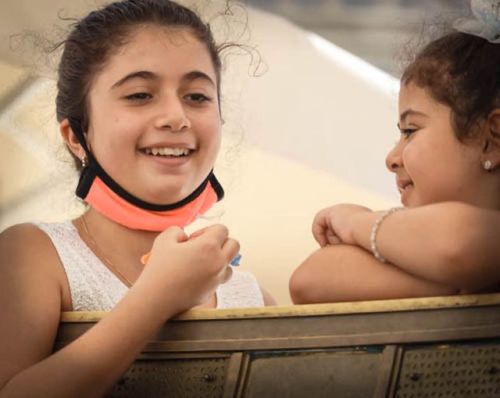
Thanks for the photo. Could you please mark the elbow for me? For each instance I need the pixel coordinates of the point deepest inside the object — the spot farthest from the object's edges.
(307, 283)
(460, 259)
(321, 278)
(449, 260)
(454, 266)
(300, 286)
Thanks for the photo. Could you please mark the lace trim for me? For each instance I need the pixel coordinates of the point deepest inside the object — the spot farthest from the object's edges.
(93, 286)
(242, 290)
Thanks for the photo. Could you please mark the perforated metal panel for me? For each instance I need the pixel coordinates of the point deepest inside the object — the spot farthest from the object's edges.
(203, 378)
(342, 374)
(450, 372)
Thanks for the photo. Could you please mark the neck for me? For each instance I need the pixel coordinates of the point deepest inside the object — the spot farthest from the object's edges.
(109, 234)
(487, 194)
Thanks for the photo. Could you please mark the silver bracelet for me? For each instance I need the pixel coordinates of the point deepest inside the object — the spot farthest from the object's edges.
(373, 234)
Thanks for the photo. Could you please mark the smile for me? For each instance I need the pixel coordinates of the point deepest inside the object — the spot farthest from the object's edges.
(404, 185)
(167, 151)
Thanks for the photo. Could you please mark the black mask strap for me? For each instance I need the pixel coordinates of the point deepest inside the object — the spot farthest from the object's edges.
(94, 169)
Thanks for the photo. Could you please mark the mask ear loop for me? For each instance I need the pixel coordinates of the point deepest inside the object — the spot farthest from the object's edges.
(94, 169)
(89, 164)
(76, 126)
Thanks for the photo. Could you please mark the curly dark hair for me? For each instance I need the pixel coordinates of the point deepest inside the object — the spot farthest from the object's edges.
(461, 71)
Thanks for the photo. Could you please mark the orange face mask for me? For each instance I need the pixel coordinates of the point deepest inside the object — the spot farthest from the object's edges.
(101, 192)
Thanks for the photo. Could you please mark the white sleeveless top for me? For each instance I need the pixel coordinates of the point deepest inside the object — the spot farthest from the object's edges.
(95, 288)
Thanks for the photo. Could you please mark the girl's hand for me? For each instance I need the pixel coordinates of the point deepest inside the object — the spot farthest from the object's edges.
(334, 225)
(189, 269)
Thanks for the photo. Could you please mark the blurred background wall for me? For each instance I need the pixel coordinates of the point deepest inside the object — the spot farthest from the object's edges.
(309, 116)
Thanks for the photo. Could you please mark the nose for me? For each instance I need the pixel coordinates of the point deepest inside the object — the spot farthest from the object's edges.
(172, 116)
(393, 160)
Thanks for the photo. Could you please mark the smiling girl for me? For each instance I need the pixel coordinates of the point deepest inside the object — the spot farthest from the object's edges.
(447, 169)
(138, 106)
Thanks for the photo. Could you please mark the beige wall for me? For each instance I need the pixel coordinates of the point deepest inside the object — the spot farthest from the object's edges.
(312, 131)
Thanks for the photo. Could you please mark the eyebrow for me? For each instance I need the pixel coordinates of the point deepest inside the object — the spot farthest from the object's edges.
(142, 74)
(410, 112)
(148, 75)
(196, 74)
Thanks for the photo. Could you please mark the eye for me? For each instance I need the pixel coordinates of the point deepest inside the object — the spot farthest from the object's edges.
(138, 97)
(197, 98)
(407, 132)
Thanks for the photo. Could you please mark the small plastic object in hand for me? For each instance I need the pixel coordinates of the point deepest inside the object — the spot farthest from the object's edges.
(145, 258)
(236, 261)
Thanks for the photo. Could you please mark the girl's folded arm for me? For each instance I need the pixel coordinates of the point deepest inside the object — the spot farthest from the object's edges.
(449, 243)
(349, 273)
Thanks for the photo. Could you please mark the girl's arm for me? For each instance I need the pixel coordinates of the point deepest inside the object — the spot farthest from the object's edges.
(89, 366)
(448, 243)
(269, 300)
(348, 273)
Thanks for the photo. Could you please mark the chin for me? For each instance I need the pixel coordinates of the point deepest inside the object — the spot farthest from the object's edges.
(172, 195)
(408, 203)
(166, 199)
(169, 192)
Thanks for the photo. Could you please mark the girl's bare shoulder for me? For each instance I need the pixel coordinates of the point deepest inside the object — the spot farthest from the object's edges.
(24, 241)
(26, 250)
(31, 293)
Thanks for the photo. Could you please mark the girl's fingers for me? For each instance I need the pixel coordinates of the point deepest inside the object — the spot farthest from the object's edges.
(219, 231)
(317, 226)
(319, 234)
(334, 240)
(320, 227)
(175, 233)
(323, 241)
(227, 273)
(230, 249)
(197, 233)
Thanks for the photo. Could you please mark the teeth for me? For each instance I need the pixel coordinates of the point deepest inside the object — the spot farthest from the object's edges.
(401, 189)
(166, 151)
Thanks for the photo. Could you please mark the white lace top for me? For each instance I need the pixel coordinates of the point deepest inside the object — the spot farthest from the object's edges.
(95, 288)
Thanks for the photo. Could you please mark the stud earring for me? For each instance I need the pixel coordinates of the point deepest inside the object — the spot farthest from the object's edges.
(85, 161)
(487, 165)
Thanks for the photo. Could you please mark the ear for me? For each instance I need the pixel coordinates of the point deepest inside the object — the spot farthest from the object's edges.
(491, 149)
(71, 140)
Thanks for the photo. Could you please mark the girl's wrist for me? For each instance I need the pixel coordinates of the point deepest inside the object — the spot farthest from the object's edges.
(152, 298)
(374, 247)
(361, 228)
